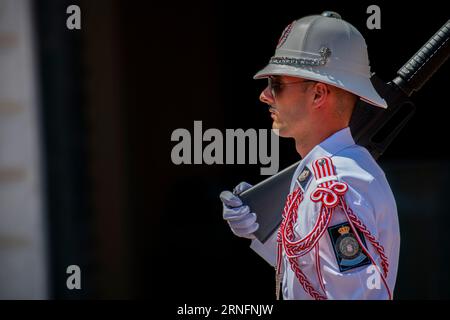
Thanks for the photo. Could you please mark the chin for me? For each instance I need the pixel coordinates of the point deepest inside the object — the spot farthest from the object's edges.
(281, 132)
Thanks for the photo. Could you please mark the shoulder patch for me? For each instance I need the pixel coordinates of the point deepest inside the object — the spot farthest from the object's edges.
(348, 252)
(304, 177)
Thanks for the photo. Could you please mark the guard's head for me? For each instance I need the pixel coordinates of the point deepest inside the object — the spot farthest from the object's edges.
(306, 109)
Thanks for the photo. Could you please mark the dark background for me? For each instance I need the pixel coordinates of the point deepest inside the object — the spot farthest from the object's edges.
(113, 93)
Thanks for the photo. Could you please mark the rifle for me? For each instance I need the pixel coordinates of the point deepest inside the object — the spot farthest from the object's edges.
(372, 127)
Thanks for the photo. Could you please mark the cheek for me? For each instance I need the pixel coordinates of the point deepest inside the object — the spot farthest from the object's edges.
(293, 109)
(295, 113)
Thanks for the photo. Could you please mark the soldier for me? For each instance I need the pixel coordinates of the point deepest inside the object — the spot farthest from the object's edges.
(339, 237)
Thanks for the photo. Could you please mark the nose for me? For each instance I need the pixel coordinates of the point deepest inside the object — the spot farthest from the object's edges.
(266, 96)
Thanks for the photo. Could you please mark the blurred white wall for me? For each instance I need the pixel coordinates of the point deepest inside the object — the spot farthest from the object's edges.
(23, 264)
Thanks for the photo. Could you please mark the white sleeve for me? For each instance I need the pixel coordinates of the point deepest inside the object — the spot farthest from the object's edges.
(363, 282)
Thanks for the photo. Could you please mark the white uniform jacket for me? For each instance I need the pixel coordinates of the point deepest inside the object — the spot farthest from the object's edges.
(337, 267)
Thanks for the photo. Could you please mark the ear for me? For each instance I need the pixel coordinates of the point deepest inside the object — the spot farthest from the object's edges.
(321, 94)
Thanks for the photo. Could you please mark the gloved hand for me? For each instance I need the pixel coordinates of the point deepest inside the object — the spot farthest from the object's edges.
(241, 221)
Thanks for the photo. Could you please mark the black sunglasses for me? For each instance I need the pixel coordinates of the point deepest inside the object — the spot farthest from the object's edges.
(275, 86)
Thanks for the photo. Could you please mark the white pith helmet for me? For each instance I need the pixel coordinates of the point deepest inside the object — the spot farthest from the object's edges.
(327, 49)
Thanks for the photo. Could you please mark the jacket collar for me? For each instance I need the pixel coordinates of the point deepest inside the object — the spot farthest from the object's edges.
(327, 148)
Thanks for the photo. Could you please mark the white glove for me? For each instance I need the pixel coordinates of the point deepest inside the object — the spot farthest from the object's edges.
(241, 221)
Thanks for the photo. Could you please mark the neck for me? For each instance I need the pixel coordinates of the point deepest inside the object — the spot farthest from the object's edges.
(305, 145)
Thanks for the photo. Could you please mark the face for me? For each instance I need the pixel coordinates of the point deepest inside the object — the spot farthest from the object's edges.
(289, 102)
